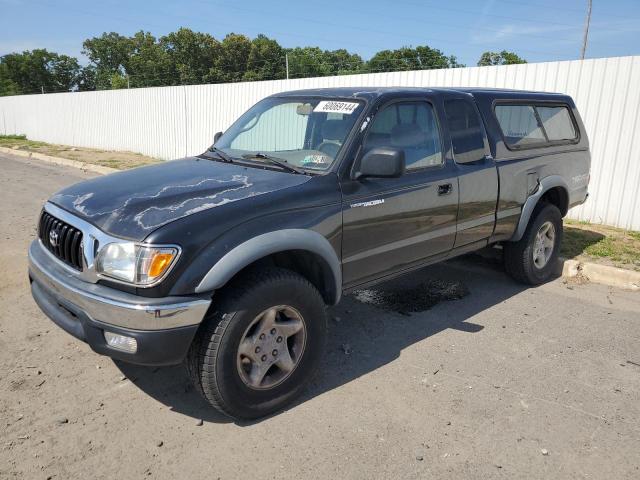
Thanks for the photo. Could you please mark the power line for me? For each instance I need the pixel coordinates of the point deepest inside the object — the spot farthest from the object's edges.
(477, 13)
(198, 75)
(145, 23)
(395, 34)
(374, 32)
(294, 60)
(556, 7)
(241, 80)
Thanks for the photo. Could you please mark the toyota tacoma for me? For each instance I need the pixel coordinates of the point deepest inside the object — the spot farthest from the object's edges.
(227, 260)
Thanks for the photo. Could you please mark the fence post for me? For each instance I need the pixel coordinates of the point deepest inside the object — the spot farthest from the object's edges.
(286, 61)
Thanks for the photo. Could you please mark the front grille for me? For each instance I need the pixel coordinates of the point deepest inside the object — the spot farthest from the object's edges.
(61, 239)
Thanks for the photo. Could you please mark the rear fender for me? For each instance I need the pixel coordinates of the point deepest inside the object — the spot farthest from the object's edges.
(544, 186)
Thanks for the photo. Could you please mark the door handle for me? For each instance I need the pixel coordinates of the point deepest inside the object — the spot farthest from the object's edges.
(445, 189)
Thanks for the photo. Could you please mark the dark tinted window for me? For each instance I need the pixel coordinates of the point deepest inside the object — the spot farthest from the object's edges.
(465, 127)
(411, 127)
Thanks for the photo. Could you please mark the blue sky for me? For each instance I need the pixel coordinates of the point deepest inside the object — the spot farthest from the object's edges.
(538, 30)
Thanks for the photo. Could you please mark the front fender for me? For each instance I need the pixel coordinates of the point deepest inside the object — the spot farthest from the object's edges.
(269, 243)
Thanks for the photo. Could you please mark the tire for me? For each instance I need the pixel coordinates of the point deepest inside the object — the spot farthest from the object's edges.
(223, 374)
(519, 256)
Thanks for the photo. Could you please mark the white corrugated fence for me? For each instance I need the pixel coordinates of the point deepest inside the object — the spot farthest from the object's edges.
(171, 122)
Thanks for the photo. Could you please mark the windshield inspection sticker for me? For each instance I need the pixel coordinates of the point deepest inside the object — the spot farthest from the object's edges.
(316, 161)
(336, 107)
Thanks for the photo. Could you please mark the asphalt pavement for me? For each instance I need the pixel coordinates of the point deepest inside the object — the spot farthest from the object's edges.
(492, 380)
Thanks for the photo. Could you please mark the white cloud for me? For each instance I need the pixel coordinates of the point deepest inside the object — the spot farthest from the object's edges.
(510, 31)
(554, 33)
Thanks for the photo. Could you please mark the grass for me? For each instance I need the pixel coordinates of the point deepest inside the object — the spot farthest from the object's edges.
(13, 137)
(105, 158)
(20, 141)
(601, 244)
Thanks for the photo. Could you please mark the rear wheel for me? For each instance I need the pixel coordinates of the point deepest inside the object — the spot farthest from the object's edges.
(532, 259)
(257, 350)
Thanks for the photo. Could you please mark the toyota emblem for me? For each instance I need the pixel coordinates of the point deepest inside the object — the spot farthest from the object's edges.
(53, 238)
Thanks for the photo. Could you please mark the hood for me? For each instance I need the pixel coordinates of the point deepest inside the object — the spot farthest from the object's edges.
(133, 203)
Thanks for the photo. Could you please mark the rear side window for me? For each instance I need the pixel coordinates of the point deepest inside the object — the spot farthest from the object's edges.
(526, 126)
(557, 123)
(467, 137)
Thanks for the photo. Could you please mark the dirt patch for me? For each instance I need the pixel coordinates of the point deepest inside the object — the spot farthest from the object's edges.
(427, 396)
(414, 299)
(104, 158)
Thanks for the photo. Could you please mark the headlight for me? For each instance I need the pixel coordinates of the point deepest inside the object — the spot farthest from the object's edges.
(135, 264)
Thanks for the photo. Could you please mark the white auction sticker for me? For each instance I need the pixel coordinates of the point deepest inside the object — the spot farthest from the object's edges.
(336, 107)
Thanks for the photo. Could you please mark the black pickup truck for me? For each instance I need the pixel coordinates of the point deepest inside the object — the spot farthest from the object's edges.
(227, 260)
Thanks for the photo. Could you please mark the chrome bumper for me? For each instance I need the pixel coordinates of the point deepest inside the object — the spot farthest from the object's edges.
(108, 306)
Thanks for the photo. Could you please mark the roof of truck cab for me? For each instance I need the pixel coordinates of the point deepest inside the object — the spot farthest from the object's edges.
(368, 93)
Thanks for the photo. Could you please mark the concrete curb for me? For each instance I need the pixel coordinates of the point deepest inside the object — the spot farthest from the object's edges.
(59, 161)
(603, 274)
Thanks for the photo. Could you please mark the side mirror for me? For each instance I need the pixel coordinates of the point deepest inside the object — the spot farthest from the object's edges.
(216, 137)
(381, 162)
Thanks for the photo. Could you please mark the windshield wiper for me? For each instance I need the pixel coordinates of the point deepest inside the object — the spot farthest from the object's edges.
(221, 155)
(276, 161)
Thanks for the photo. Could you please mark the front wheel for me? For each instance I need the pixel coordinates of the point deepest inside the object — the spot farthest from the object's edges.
(532, 259)
(257, 350)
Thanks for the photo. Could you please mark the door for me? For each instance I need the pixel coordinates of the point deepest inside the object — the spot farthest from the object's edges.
(477, 172)
(391, 224)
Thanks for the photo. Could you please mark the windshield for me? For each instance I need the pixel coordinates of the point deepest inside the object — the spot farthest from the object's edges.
(304, 132)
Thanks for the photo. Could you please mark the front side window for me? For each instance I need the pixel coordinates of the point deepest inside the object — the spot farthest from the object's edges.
(411, 127)
(304, 132)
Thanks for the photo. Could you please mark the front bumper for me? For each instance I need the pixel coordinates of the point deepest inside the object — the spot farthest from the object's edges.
(162, 327)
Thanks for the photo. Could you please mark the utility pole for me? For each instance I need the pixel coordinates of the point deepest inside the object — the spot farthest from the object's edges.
(586, 31)
(286, 61)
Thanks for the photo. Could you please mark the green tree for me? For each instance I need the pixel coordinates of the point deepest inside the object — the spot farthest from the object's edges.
(342, 62)
(191, 55)
(266, 60)
(407, 58)
(308, 62)
(499, 58)
(86, 80)
(231, 63)
(37, 70)
(7, 85)
(64, 71)
(109, 54)
(118, 81)
(187, 57)
(149, 65)
(315, 62)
